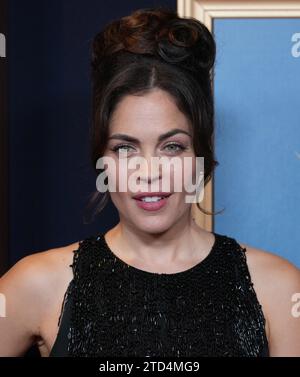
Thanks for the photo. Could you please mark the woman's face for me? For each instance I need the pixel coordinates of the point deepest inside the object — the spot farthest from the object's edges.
(136, 130)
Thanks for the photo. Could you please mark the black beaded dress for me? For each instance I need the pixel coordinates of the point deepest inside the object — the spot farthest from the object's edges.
(111, 308)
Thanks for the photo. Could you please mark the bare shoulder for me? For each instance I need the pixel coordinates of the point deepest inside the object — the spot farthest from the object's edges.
(276, 271)
(41, 269)
(277, 284)
(32, 289)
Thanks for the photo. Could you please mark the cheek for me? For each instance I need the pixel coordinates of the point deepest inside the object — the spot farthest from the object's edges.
(119, 199)
(182, 174)
(117, 176)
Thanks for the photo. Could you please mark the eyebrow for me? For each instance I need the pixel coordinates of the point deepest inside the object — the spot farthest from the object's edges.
(160, 138)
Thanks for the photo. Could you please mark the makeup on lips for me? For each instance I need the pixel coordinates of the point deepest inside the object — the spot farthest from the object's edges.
(152, 201)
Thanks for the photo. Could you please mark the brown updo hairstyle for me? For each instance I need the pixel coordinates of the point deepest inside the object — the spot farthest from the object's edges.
(154, 48)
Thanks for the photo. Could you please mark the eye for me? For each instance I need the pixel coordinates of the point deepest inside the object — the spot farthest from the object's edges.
(175, 147)
(121, 148)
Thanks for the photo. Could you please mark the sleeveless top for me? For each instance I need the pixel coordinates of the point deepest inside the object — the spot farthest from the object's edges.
(111, 308)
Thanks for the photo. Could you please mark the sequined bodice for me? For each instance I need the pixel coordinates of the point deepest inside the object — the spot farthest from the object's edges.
(114, 309)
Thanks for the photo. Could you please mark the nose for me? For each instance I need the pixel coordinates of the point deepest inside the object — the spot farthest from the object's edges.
(149, 170)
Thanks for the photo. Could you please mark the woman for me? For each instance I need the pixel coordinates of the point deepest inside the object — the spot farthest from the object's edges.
(156, 284)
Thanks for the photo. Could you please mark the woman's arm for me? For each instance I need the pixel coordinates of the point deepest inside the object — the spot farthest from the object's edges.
(34, 289)
(277, 284)
(22, 287)
(284, 311)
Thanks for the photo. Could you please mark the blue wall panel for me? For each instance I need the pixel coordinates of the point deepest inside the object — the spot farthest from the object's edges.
(257, 85)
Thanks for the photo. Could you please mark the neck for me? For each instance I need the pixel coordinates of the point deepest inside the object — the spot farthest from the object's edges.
(178, 243)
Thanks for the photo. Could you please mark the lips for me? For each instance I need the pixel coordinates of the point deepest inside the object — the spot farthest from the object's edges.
(155, 205)
(141, 195)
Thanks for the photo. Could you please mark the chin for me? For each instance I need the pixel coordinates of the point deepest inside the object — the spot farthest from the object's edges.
(152, 226)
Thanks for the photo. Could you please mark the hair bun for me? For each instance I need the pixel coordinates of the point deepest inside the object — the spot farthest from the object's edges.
(158, 32)
(187, 41)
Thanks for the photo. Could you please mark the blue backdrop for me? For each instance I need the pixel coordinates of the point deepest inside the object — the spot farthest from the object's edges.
(257, 83)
